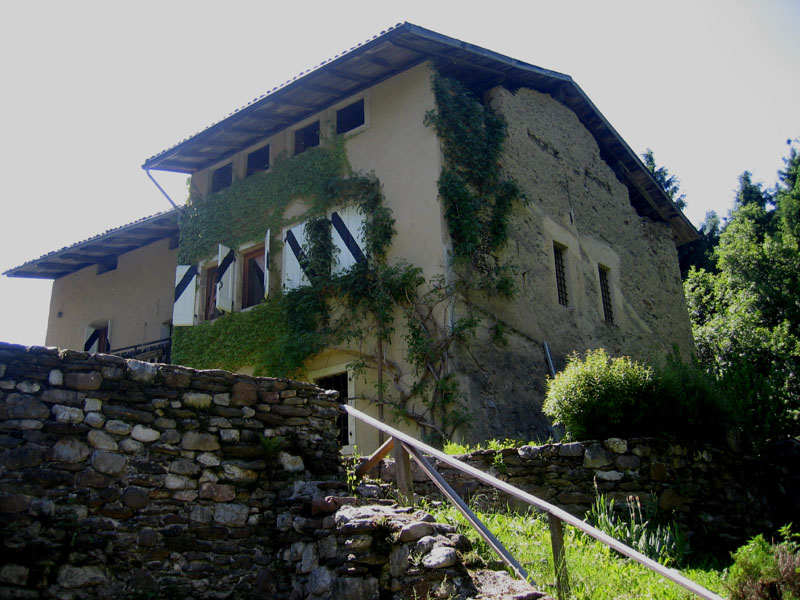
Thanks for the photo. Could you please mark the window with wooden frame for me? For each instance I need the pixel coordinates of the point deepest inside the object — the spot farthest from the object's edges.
(561, 273)
(253, 270)
(306, 137)
(605, 294)
(222, 178)
(210, 310)
(258, 161)
(350, 117)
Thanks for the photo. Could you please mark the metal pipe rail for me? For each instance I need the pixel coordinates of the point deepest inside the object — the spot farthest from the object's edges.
(415, 447)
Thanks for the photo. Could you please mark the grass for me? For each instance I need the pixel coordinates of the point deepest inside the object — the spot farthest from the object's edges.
(595, 571)
(455, 449)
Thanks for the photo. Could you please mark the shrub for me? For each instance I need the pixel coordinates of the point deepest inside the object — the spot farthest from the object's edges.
(599, 396)
(762, 571)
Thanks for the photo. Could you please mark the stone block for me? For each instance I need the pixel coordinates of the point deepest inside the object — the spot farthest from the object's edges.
(14, 574)
(102, 441)
(68, 450)
(141, 371)
(28, 387)
(196, 400)
(616, 445)
(55, 377)
(21, 458)
(135, 498)
(217, 492)
(145, 434)
(92, 404)
(72, 577)
(118, 427)
(570, 450)
(596, 456)
(290, 462)
(199, 441)
(22, 406)
(129, 446)
(109, 463)
(231, 515)
(94, 419)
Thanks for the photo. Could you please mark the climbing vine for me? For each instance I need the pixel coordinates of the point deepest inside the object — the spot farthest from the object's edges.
(358, 306)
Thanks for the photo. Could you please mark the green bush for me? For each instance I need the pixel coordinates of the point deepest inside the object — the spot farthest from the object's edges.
(763, 571)
(599, 396)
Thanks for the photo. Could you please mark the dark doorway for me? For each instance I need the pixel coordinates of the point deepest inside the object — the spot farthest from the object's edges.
(338, 382)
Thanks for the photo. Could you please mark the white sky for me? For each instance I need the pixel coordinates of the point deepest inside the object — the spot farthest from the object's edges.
(90, 89)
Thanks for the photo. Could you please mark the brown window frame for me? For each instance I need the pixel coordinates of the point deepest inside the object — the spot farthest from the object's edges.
(251, 255)
(210, 311)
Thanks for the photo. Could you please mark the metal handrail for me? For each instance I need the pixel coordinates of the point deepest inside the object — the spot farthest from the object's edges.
(552, 510)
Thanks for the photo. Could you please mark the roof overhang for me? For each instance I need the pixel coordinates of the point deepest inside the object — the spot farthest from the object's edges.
(388, 54)
(103, 249)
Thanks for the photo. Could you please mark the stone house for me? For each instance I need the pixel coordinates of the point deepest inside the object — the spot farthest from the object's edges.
(591, 241)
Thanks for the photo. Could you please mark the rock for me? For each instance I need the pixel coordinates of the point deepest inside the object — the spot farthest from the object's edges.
(102, 441)
(440, 558)
(229, 435)
(91, 478)
(217, 492)
(244, 394)
(350, 588)
(183, 466)
(207, 459)
(669, 500)
(573, 449)
(196, 399)
(21, 458)
(14, 574)
(55, 377)
(627, 462)
(596, 456)
(92, 404)
(118, 427)
(72, 577)
(164, 423)
(238, 474)
(358, 542)
(141, 371)
(616, 445)
(320, 581)
(231, 515)
(28, 387)
(290, 462)
(68, 450)
(24, 424)
(55, 396)
(135, 498)
(147, 538)
(14, 503)
(609, 475)
(67, 414)
(21, 406)
(308, 561)
(179, 482)
(84, 381)
(42, 507)
(201, 514)
(398, 560)
(124, 413)
(129, 446)
(145, 434)
(109, 462)
(414, 531)
(199, 441)
(327, 547)
(170, 436)
(94, 419)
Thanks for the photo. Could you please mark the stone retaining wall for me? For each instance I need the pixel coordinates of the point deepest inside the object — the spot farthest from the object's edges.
(721, 497)
(119, 477)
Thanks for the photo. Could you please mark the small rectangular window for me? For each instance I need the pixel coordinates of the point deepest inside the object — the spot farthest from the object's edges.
(210, 309)
(561, 274)
(222, 178)
(605, 294)
(338, 382)
(253, 278)
(306, 137)
(350, 117)
(258, 160)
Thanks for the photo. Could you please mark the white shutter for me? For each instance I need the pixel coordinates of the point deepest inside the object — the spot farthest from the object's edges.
(185, 293)
(348, 237)
(293, 274)
(91, 339)
(226, 278)
(266, 264)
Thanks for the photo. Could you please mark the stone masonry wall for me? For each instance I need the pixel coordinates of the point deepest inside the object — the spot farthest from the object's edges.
(721, 497)
(120, 478)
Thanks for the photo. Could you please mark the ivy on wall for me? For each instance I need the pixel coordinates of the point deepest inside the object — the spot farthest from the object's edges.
(278, 336)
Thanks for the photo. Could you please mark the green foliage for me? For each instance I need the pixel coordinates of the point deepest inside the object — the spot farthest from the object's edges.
(638, 529)
(271, 446)
(599, 396)
(493, 444)
(762, 571)
(667, 180)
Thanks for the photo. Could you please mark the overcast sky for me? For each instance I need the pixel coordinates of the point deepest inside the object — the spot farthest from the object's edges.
(92, 89)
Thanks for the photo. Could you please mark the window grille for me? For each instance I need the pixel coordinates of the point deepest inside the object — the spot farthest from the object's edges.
(561, 275)
(605, 294)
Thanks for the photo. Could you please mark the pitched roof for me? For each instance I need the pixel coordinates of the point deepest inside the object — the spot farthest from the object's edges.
(104, 248)
(391, 52)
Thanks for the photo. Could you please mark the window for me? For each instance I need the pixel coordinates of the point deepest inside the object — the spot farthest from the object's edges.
(210, 307)
(222, 178)
(348, 236)
(345, 422)
(605, 294)
(306, 137)
(258, 161)
(561, 274)
(97, 337)
(295, 261)
(350, 117)
(253, 278)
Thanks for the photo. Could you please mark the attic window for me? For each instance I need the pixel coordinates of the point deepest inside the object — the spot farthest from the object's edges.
(306, 137)
(350, 117)
(258, 160)
(605, 294)
(222, 178)
(561, 274)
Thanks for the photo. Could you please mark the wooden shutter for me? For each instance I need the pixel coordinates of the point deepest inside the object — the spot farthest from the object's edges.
(294, 259)
(266, 264)
(91, 339)
(185, 293)
(226, 278)
(348, 237)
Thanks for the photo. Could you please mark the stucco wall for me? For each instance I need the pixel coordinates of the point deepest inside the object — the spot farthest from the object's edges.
(137, 297)
(573, 199)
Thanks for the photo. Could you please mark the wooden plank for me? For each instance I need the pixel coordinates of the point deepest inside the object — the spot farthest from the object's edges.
(375, 458)
(542, 505)
(470, 516)
(402, 470)
(559, 558)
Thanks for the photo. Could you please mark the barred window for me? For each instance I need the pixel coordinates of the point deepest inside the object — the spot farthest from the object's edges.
(561, 274)
(605, 294)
